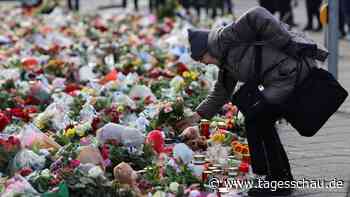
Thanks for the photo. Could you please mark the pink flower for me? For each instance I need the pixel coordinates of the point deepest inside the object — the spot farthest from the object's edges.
(168, 109)
(107, 162)
(85, 141)
(74, 163)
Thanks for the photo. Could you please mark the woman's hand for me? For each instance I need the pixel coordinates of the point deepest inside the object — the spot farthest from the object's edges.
(189, 121)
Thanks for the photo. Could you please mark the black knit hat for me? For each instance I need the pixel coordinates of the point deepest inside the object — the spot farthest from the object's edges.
(198, 39)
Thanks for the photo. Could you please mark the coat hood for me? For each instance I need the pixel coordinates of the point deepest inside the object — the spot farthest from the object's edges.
(220, 41)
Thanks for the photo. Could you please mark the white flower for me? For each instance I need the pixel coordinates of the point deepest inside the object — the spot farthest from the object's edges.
(159, 194)
(45, 173)
(95, 172)
(80, 131)
(174, 187)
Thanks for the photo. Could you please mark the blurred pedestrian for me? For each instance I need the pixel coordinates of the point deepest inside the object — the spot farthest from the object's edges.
(270, 5)
(313, 10)
(283, 7)
(228, 6)
(136, 4)
(73, 5)
(345, 9)
(341, 20)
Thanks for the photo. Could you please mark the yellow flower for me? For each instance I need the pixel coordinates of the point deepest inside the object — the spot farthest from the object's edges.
(120, 108)
(186, 74)
(136, 62)
(40, 124)
(40, 121)
(218, 137)
(70, 133)
(194, 76)
(88, 91)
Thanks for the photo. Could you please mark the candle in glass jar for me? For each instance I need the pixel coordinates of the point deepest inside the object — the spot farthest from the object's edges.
(206, 176)
(204, 128)
(246, 158)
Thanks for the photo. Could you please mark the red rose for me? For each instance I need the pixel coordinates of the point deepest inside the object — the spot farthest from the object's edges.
(31, 110)
(14, 140)
(29, 62)
(31, 100)
(181, 68)
(4, 121)
(95, 123)
(105, 151)
(20, 113)
(156, 139)
(25, 171)
(71, 87)
(155, 73)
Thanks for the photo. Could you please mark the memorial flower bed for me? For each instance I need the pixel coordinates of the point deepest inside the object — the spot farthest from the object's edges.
(89, 105)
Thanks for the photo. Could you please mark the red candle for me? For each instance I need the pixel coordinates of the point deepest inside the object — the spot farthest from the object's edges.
(204, 128)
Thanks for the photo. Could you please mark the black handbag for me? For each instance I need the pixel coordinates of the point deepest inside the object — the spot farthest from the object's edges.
(314, 101)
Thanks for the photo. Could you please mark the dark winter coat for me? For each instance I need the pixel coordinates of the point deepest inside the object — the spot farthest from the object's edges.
(239, 59)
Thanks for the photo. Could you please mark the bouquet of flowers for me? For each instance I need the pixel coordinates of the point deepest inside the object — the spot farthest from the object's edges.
(170, 113)
(9, 146)
(116, 153)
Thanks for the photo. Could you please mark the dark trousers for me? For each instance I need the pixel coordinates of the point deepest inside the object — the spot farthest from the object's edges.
(286, 11)
(156, 4)
(313, 10)
(136, 4)
(344, 16)
(73, 5)
(284, 7)
(267, 153)
(345, 4)
(270, 5)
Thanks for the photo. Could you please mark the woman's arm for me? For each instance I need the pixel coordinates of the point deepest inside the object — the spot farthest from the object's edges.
(218, 96)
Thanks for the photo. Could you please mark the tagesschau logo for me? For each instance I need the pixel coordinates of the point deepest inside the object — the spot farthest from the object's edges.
(232, 183)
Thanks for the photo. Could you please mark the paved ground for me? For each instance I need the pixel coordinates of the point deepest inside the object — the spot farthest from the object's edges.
(324, 156)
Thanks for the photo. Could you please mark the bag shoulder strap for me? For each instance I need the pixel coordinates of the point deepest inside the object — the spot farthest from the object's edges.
(258, 62)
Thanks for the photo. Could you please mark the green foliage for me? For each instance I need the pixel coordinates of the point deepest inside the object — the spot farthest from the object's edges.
(9, 84)
(76, 107)
(172, 117)
(6, 101)
(68, 152)
(61, 139)
(185, 176)
(40, 181)
(120, 154)
(102, 103)
(157, 87)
